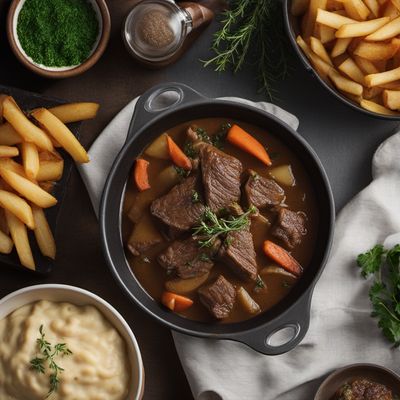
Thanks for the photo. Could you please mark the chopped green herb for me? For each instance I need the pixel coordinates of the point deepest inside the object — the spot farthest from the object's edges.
(203, 135)
(183, 173)
(189, 150)
(48, 357)
(219, 138)
(204, 257)
(259, 285)
(384, 293)
(228, 241)
(255, 176)
(195, 197)
(211, 226)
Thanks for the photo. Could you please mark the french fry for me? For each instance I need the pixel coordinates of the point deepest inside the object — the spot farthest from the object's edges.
(382, 77)
(351, 69)
(390, 11)
(62, 134)
(325, 33)
(356, 9)
(376, 108)
(365, 65)
(29, 131)
(332, 20)
(309, 23)
(340, 46)
(376, 51)
(344, 84)
(320, 65)
(395, 85)
(74, 112)
(50, 170)
(396, 3)
(12, 165)
(6, 244)
(318, 48)
(44, 236)
(17, 206)
(388, 31)
(373, 5)
(8, 135)
(340, 59)
(363, 28)
(8, 151)
(30, 159)
(28, 189)
(19, 236)
(391, 99)
(334, 5)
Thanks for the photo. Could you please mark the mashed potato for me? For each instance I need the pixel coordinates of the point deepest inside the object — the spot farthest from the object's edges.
(98, 369)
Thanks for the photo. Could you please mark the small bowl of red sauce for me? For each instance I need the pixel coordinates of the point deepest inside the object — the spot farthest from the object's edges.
(361, 382)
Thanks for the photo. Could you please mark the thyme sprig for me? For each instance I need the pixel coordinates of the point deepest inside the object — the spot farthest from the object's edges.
(48, 355)
(252, 32)
(211, 226)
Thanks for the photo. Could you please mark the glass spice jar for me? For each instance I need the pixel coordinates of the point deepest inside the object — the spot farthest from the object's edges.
(155, 30)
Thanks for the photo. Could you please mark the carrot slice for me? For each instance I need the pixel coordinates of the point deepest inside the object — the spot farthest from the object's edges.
(175, 302)
(141, 174)
(177, 155)
(240, 138)
(282, 257)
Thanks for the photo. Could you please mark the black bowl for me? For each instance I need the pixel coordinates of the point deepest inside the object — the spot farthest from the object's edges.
(292, 25)
(291, 314)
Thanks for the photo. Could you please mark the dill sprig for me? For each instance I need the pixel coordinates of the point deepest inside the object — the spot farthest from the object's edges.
(211, 226)
(252, 32)
(48, 355)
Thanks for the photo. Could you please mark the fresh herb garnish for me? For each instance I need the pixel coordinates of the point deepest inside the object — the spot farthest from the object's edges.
(183, 173)
(252, 33)
(189, 150)
(203, 135)
(211, 226)
(260, 284)
(48, 355)
(219, 138)
(384, 293)
(204, 257)
(195, 197)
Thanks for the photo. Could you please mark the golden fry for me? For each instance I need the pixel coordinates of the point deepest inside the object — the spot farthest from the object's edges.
(363, 28)
(356, 9)
(30, 159)
(391, 99)
(74, 112)
(62, 134)
(8, 151)
(340, 46)
(29, 131)
(19, 236)
(388, 31)
(376, 108)
(318, 48)
(28, 189)
(43, 234)
(8, 135)
(332, 19)
(344, 84)
(351, 69)
(50, 170)
(17, 206)
(6, 244)
(376, 51)
(383, 77)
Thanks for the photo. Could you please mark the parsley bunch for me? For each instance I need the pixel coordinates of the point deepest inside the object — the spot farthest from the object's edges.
(384, 293)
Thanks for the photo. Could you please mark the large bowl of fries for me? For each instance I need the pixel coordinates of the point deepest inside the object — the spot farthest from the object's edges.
(353, 48)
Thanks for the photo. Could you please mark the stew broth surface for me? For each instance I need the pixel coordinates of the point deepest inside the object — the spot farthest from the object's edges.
(300, 197)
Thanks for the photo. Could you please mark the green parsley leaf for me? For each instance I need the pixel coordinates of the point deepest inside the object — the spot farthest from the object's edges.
(370, 261)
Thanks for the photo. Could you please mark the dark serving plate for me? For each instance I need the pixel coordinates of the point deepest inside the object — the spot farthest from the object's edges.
(152, 117)
(28, 101)
(292, 25)
(372, 372)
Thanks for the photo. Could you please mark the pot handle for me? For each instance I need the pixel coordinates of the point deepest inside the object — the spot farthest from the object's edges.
(159, 100)
(284, 334)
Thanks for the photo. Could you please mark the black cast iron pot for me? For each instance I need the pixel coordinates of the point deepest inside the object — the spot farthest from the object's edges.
(150, 119)
(292, 25)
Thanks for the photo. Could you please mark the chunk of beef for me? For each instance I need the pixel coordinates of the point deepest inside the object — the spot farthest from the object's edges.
(177, 208)
(289, 227)
(186, 259)
(221, 177)
(262, 192)
(238, 253)
(219, 297)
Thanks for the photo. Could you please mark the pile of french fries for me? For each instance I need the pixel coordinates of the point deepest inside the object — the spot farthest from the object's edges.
(29, 167)
(354, 45)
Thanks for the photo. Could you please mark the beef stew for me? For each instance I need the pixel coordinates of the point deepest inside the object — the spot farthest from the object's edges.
(239, 199)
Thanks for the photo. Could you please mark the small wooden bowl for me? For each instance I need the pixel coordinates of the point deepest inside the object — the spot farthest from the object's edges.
(103, 15)
(373, 372)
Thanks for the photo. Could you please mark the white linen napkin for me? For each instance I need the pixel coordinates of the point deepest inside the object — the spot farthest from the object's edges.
(341, 330)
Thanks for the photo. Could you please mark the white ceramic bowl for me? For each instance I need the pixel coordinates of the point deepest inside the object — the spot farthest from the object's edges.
(78, 296)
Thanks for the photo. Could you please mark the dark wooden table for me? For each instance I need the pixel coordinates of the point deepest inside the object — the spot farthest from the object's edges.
(344, 139)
